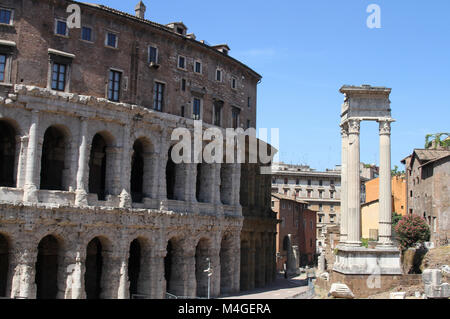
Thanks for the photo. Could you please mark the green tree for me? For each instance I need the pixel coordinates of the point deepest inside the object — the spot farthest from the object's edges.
(396, 218)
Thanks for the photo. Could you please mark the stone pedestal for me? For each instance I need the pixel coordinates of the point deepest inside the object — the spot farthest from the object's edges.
(364, 261)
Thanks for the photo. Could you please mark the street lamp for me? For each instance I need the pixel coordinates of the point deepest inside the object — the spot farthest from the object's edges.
(209, 271)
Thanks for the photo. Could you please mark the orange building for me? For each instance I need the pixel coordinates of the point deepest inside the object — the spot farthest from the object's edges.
(398, 193)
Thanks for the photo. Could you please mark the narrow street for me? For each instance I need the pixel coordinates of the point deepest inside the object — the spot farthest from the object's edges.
(281, 288)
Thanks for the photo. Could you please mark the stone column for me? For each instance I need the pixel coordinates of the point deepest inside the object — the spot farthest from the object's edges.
(157, 280)
(21, 161)
(81, 193)
(385, 212)
(215, 278)
(354, 185)
(74, 288)
(125, 171)
(344, 177)
(24, 273)
(30, 188)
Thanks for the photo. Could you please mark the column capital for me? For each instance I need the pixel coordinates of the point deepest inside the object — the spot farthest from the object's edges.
(354, 126)
(344, 130)
(385, 127)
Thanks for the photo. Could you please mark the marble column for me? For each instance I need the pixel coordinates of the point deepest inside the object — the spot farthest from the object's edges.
(354, 185)
(344, 192)
(24, 273)
(32, 165)
(81, 193)
(385, 212)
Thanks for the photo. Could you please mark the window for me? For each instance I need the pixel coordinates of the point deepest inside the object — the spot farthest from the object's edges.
(248, 101)
(248, 123)
(219, 75)
(196, 108)
(309, 182)
(217, 113)
(320, 183)
(320, 207)
(61, 28)
(297, 181)
(114, 85)
(198, 67)
(3, 58)
(320, 218)
(152, 54)
(182, 62)
(158, 96)
(86, 34)
(180, 30)
(410, 194)
(235, 117)
(6, 16)
(332, 208)
(183, 85)
(59, 77)
(182, 111)
(233, 83)
(286, 181)
(111, 40)
(331, 218)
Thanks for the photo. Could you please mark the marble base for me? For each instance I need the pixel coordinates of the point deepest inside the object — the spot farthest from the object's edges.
(383, 260)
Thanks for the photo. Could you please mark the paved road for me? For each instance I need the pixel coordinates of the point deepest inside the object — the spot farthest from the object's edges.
(281, 289)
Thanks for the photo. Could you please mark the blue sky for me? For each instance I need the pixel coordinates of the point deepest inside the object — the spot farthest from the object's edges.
(306, 50)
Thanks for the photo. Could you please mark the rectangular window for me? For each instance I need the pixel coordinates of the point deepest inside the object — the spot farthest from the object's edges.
(198, 67)
(182, 62)
(61, 28)
(152, 55)
(158, 96)
(309, 182)
(59, 77)
(218, 75)
(217, 114)
(111, 40)
(235, 117)
(183, 85)
(182, 111)
(248, 123)
(86, 34)
(233, 83)
(114, 85)
(196, 108)
(2, 67)
(5, 16)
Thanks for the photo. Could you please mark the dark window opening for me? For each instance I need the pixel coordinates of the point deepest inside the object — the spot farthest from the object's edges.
(7, 154)
(3, 58)
(158, 96)
(137, 173)
(97, 167)
(59, 77)
(86, 34)
(52, 162)
(114, 85)
(5, 16)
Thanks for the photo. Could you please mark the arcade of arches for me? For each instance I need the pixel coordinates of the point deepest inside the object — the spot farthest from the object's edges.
(95, 208)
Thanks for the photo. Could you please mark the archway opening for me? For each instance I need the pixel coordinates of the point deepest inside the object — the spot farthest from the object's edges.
(226, 265)
(168, 260)
(170, 176)
(7, 154)
(202, 259)
(4, 265)
(47, 268)
(94, 269)
(134, 267)
(97, 167)
(137, 172)
(245, 259)
(52, 161)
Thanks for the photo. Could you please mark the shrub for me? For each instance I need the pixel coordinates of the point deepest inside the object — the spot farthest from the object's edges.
(411, 230)
(365, 242)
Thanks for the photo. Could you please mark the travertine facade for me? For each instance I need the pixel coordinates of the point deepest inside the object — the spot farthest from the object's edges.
(91, 203)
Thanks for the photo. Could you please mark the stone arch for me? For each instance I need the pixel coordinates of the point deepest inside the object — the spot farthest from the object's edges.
(173, 261)
(141, 169)
(101, 164)
(4, 264)
(202, 259)
(139, 270)
(55, 158)
(226, 264)
(8, 151)
(47, 265)
(97, 259)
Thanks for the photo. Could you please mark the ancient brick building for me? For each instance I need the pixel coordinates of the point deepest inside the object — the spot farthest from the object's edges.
(428, 190)
(296, 233)
(91, 203)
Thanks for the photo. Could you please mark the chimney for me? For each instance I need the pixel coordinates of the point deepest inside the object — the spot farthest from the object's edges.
(140, 10)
